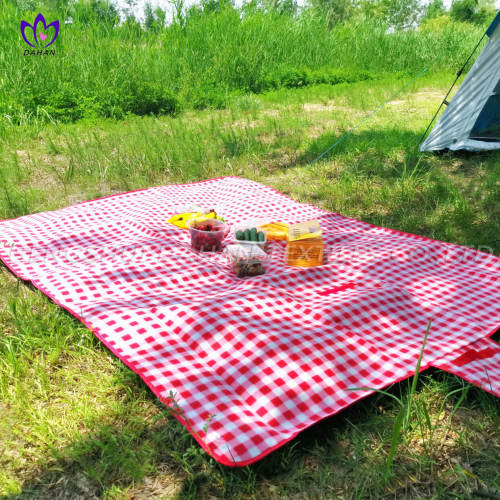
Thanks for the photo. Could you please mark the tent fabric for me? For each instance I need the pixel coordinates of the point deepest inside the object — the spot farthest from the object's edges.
(246, 364)
(487, 126)
(472, 119)
(493, 26)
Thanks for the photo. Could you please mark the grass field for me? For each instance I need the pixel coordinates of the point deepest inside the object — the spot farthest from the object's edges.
(76, 423)
(103, 70)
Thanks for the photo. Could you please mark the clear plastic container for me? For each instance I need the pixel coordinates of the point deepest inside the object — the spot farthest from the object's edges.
(248, 226)
(247, 260)
(207, 234)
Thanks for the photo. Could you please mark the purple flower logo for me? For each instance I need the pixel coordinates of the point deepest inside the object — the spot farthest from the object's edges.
(39, 30)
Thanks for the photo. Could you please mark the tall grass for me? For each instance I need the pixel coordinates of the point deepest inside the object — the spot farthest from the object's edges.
(101, 69)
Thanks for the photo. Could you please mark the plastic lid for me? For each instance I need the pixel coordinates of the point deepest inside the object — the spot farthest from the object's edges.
(245, 251)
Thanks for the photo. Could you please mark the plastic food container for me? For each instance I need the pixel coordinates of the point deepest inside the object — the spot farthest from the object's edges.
(207, 234)
(248, 228)
(247, 260)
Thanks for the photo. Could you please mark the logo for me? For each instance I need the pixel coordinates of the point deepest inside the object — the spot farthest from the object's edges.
(39, 36)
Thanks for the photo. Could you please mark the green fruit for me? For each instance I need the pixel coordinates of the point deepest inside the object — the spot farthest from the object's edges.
(261, 236)
(253, 234)
(246, 235)
(240, 235)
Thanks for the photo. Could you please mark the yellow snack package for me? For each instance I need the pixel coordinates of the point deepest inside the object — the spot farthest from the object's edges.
(304, 230)
(275, 230)
(305, 253)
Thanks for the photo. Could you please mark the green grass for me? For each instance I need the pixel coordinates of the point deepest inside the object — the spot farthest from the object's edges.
(105, 71)
(74, 419)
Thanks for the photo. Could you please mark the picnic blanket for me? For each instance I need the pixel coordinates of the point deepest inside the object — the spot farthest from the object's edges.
(246, 364)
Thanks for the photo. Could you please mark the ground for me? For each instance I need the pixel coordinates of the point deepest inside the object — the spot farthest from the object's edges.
(76, 423)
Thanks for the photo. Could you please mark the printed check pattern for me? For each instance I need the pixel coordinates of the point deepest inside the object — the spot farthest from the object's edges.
(251, 362)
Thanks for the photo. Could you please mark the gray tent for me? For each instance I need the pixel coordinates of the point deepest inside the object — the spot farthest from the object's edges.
(472, 119)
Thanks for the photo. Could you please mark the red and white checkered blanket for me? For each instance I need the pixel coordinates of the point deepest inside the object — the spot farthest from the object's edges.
(252, 362)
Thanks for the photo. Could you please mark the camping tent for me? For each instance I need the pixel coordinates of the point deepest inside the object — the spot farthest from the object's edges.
(472, 119)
